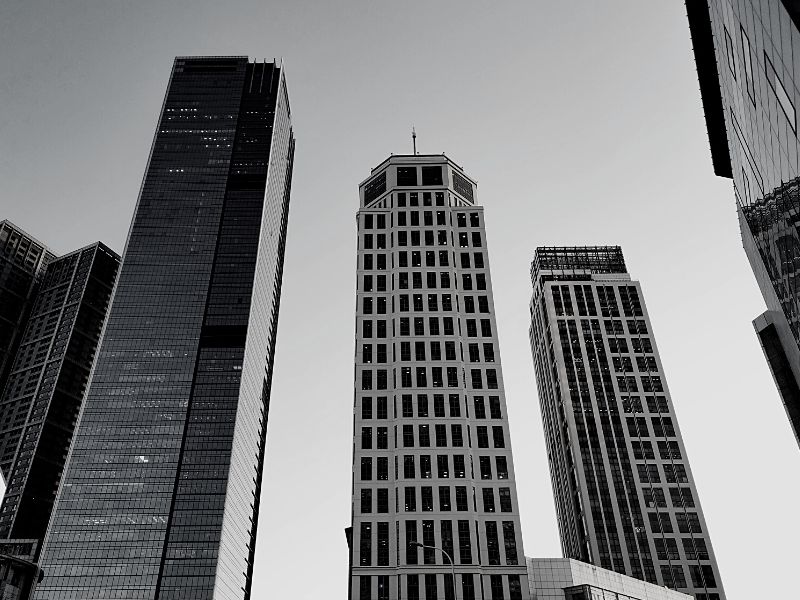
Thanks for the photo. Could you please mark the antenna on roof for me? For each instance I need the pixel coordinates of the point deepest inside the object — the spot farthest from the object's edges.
(414, 139)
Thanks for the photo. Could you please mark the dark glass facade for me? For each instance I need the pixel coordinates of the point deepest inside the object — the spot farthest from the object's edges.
(624, 492)
(41, 402)
(161, 490)
(432, 460)
(22, 261)
(747, 62)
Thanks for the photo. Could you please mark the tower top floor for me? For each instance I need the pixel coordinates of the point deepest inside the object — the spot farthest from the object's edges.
(409, 171)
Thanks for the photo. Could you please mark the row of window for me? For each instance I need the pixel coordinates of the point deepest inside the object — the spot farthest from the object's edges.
(649, 473)
(381, 466)
(456, 436)
(607, 300)
(430, 237)
(667, 450)
(662, 426)
(380, 354)
(623, 364)
(418, 377)
(377, 587)
(407, 407)
(650, 383)
(379, 499)
(661, 522)
(681, 497)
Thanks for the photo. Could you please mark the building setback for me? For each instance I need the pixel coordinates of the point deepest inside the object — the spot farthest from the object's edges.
(624, 493)
(432, 460)
(570, 579)
(745, 55)
(161, 490)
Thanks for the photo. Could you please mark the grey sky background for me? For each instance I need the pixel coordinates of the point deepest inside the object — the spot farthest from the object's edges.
(581, 122)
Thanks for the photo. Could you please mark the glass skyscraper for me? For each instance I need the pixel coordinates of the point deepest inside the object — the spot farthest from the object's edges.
(433, 475)
(748, 60)
(161, 491)
(624, 493)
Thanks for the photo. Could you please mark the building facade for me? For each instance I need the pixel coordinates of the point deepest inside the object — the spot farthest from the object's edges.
(160, 494)
(624, 493)
(22, 261)
(40, 405)
(749, 80)
(433, 475)
(570, 579)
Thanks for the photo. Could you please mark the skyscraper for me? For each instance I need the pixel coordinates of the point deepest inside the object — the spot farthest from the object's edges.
(22, 261)
(624, 493)
(39, 406)
(161, 491)
(745, 55)
(433, 475)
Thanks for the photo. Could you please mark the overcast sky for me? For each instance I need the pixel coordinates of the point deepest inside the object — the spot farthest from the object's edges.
(581, 122)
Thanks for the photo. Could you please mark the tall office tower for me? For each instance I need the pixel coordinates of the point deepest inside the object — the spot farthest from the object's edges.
(22, 260)
(624, 493)
(747, 66)
(40, 405)
(160, 495)
(431, 452)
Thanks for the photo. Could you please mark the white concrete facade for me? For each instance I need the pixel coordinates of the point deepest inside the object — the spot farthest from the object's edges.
(432, 457)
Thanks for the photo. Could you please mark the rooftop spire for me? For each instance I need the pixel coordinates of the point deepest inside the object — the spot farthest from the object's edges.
(414, 139)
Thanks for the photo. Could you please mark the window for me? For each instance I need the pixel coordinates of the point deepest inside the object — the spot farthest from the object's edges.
(748, 66)
(480, 408)
(383, 500)
(459, 470)
(411, 551)
(425, 466)
(383, 468)
(485, 463)
(667, 548)
(432, 175)
(457, 439)
(409, 471)
(488, 500)
(785, 102)
(365, 546)
(366, 468)
(424, 436)
(464, 543)
(688, 522)
(483, 436)
(703, 576)
(366, 500)
(502, 467)
(505, 499)
(461, 498)
(408, 436)
(407, 176)
(427, 498)
(660, 522)
(493, 549)
(444, 498)
(410, 499)
(510, 542)
(497, 436)
(366, 408)
(366, 438)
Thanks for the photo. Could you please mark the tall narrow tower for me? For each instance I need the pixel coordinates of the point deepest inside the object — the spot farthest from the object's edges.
(160, 495)
(624, 492)
(433, 476)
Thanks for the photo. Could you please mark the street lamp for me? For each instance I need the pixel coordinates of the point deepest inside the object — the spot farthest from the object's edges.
(449, 558)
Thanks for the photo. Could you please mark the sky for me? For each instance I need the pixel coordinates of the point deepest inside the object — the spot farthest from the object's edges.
(581, 122)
